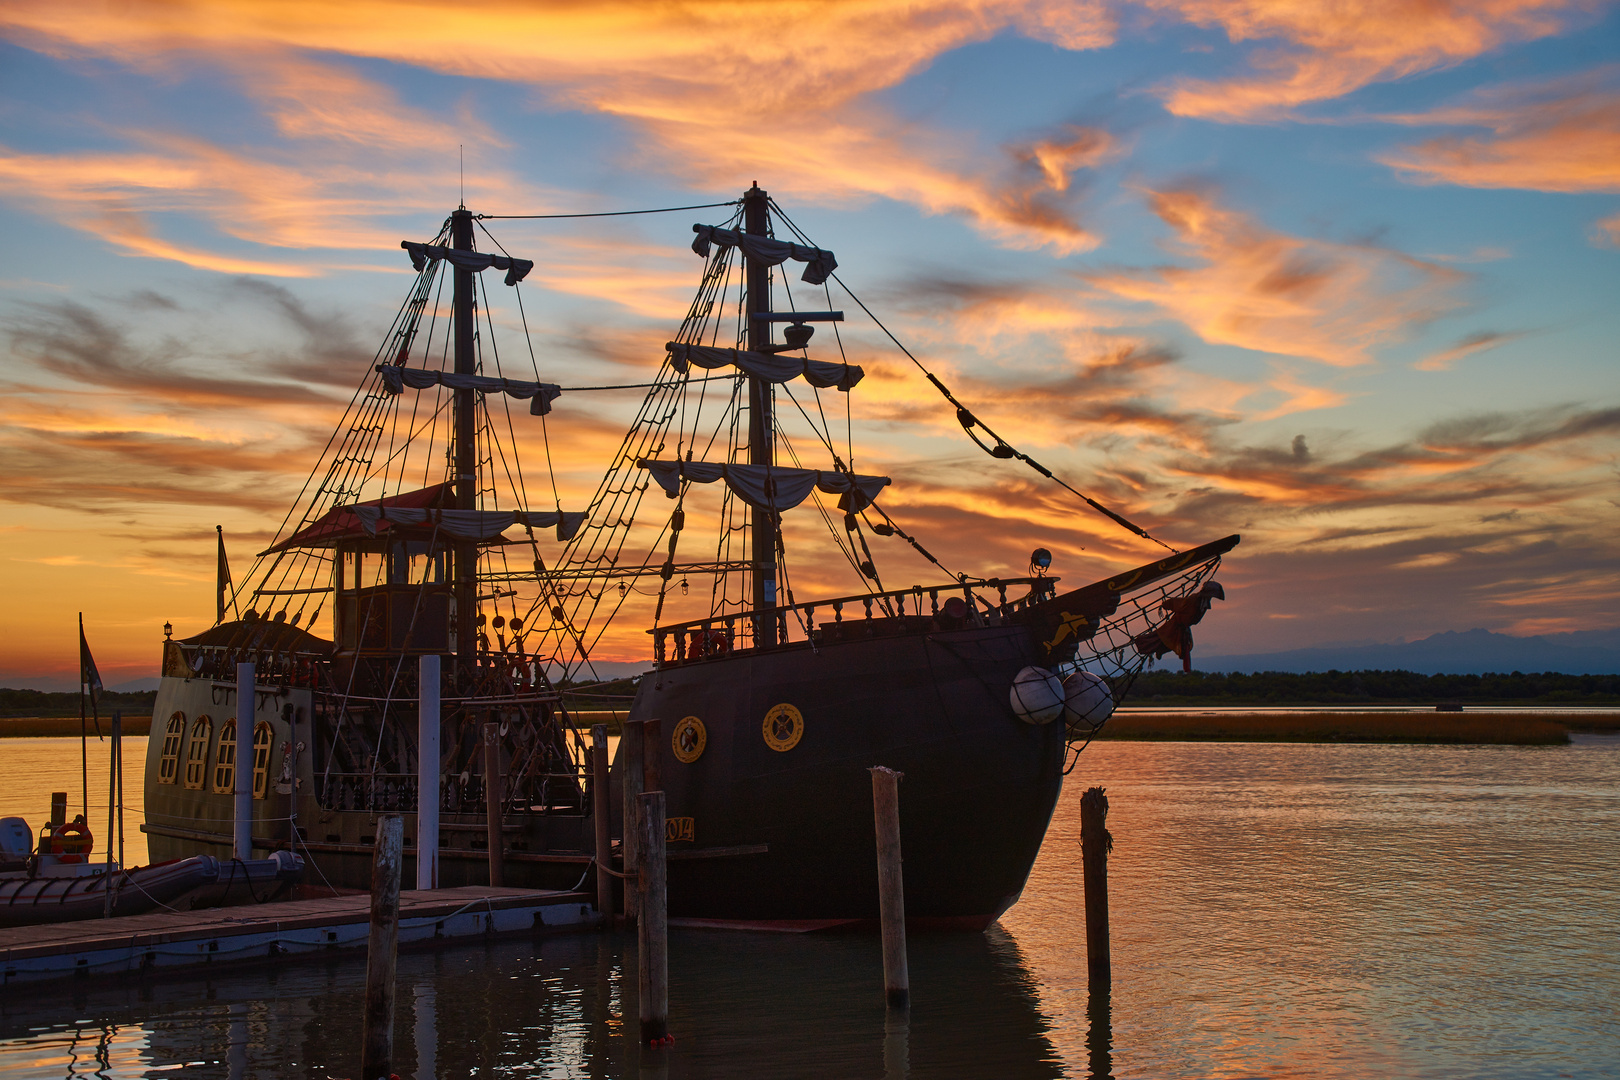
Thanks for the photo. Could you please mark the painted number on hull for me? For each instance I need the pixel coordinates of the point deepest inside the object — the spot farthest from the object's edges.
(784, 727)
(677, 829)
(688, 740)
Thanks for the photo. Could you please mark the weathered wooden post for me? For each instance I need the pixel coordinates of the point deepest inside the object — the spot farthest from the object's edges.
(633, 783)
(428, 749)
(112, 812)
(651, 755)
(1095, 844)
(599, 812)
(652, 927)
(382, 950)
(492, 802)
(242, 838)
(891, 888)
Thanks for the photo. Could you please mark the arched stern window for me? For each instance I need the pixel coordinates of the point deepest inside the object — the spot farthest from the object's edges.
(264, 737)
(169, 760)
(225, 759)
(197, 752)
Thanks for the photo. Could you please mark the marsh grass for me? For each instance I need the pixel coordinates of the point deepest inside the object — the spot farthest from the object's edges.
(1513, 729)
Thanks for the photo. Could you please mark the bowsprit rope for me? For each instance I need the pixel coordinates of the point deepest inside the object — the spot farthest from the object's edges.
(964, 416)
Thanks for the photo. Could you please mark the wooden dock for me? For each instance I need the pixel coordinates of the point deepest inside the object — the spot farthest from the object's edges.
(166, 941)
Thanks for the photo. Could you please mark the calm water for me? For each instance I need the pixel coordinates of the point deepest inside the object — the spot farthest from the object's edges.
(1278, 910)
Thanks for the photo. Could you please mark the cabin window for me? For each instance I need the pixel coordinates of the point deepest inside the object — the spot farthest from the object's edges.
(263, 739)
(173, 735)
(225, 759)
(197, 752)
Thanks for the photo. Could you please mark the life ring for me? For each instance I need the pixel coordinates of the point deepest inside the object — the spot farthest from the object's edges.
(519, 672)
(72, 842)
(705, 643)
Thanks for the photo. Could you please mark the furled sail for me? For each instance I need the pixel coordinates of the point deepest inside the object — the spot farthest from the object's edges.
(396, 379)
(467, 524)
(516, 269)
(764, 249)
(775, 368)
(769, 487)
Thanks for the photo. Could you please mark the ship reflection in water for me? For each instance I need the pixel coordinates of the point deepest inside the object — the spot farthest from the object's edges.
(753, 1005)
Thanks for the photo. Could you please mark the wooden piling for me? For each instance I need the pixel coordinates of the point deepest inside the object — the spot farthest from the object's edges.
(599, 813)
(382, 950)
(1095, 844)
(651, 755)
(633, 784)
(652, 927)
(891, 887)
(429, 747)
(112, 809)
(492, 803)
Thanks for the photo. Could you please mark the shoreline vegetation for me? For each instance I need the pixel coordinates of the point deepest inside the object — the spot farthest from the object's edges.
(1161, 725)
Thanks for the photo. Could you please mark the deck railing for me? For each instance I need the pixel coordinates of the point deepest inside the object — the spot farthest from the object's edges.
(720, 635)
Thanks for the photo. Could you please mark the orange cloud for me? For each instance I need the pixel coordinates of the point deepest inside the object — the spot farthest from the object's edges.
(1555, 136)
(1607, 231)
(1446, 359)
(1323, 49)
(790, 73)
(1265, 290)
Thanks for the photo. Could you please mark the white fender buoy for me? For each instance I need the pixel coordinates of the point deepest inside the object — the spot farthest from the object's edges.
(1036, 696)
(1086, 699)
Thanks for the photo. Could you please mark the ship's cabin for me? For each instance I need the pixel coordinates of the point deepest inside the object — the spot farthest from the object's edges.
(392, 595)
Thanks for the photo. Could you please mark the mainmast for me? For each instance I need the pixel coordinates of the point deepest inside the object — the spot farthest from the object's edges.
(762, 534)
(466, 450)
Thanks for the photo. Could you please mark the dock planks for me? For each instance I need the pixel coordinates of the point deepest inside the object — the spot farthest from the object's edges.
(168, 940)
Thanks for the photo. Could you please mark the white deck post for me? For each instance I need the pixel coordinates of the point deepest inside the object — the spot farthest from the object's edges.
(242, 842)
(427, 774)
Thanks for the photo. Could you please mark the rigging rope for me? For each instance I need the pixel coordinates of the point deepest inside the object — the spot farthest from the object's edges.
(605, 213)
(965, 417)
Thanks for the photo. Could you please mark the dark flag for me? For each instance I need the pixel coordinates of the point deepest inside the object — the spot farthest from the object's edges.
(222, 576)
(88, 675)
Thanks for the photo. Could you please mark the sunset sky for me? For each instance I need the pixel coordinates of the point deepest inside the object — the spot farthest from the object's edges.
(1341, 276)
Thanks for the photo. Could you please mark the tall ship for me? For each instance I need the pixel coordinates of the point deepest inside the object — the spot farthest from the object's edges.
(434, 523)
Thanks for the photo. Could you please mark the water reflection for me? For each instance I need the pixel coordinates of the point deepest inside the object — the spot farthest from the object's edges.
(1099, 1034)
(742, 1005)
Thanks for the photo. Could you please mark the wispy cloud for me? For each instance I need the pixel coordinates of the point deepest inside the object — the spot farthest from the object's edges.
(1446, 359)
(1317, 50)
(1266, 290)
(1558, 135)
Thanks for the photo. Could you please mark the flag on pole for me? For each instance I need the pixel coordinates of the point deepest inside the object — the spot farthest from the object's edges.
(89, 681)
(88, 675)
(222, 576)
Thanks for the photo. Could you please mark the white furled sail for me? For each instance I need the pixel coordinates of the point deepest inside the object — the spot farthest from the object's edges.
(768, 487)
(768, 366)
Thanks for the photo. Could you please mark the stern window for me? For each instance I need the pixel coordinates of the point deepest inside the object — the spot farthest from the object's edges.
(197, 752)
(225, 759)
(263, 739)
(169, 762)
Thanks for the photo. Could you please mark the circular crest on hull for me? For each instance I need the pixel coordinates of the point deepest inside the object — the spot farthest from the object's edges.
(688, 740)
(784, 727)
(1036, 696)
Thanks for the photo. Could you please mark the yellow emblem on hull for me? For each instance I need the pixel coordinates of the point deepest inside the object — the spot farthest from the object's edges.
(784, 727)
(688, 740)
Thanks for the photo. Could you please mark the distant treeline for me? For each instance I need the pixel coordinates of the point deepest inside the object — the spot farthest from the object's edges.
(40, 703)
(1350, 687)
